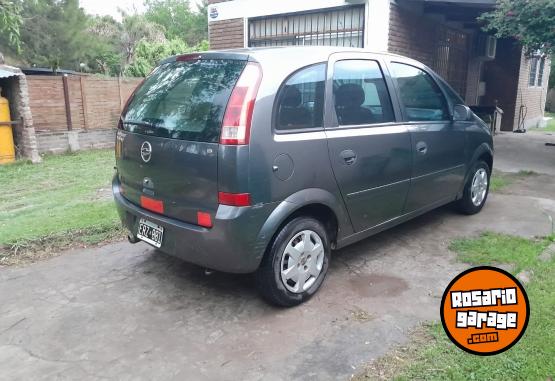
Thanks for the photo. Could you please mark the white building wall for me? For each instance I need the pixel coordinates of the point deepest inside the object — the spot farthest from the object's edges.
(376, 14)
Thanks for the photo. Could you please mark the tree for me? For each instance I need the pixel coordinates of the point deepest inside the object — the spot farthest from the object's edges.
(10, 21)
(149, 54)
(10, 24)
(136, 28)
(54, 34)
(179, 20)
(531, 22)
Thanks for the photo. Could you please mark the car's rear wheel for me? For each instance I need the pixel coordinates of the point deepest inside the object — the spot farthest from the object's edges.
(295, 264)
(476, 189)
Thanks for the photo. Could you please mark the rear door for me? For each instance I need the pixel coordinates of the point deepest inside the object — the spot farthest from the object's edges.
(370, 153)
(167, 143)
(438, 144)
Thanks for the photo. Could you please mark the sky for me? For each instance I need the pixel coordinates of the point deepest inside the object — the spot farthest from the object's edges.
(110, 7)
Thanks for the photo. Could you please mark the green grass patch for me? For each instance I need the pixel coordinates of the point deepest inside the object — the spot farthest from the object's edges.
(498, 181)
(494, 249)
(64, 196)
(550, 127)
(501, 180)
(432, 356)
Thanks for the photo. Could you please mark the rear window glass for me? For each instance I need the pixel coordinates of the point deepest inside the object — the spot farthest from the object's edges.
(184, 100)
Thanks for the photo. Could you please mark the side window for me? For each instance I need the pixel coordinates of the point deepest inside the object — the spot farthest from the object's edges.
(360, 94)
(420, 95)
(301, 99)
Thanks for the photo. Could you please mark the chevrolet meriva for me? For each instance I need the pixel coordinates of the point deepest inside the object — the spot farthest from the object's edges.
(264, 160)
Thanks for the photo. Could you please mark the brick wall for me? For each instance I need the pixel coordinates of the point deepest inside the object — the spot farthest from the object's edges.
(95, 105)
(226, 34)
(501, 76)
(59, 142)
(533, 98)
(411, 35)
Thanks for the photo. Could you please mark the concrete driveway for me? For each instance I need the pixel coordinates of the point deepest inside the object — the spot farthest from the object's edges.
(128, 312)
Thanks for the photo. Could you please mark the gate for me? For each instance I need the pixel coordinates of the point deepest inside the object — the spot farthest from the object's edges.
(333, 27)
(451, 58)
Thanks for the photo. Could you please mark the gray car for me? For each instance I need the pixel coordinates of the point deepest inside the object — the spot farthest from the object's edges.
(264, 160)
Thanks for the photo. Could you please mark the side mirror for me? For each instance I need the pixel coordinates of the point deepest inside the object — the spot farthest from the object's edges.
(461, 113)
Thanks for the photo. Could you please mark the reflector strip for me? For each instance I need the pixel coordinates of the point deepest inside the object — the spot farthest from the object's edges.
(234, 199)
(153, 205)
(204, 219)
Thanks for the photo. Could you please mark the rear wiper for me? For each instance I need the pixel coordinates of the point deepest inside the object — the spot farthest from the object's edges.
(139, 123)
(150, 128)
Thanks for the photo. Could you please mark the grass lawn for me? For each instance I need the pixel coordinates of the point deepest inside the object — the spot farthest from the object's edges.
(550, 124)
(431, 356)
(66, 198)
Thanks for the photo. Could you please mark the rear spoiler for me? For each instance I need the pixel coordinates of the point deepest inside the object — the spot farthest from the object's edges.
(213, 55)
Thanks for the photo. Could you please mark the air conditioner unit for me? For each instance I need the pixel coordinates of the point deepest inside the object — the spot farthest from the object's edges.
(486, 47)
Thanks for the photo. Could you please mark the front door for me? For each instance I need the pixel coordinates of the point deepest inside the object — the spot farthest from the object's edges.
(370, 153)
(437, 143)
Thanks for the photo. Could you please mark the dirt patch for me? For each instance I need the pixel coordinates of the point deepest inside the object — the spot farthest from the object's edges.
(30, 251)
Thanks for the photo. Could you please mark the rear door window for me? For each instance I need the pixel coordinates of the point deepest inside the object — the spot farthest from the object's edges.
(301, 100)
(420, 95)
(360, 93)
(184, 100)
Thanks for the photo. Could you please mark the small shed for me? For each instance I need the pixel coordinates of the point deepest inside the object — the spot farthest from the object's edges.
(14, 87)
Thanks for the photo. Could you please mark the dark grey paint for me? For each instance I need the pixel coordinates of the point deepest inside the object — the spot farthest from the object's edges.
(386, 181)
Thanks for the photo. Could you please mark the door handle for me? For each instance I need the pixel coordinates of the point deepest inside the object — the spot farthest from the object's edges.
(421, 148)
(348, 156)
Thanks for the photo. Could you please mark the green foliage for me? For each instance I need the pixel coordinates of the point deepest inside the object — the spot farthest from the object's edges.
(54, 34)
(10, 22)
(58, 34)
(148, 54)
(529, 22)
(178, 19)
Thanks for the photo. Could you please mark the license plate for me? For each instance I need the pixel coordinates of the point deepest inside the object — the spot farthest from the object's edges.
(150, 232)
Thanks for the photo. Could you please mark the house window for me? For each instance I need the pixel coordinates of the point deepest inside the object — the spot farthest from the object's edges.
(540, 72)
(336, 27)
(537, 66)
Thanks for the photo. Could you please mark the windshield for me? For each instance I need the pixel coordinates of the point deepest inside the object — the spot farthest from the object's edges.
(183, 100)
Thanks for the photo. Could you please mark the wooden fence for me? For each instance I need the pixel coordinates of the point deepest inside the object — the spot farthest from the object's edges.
(65, 103)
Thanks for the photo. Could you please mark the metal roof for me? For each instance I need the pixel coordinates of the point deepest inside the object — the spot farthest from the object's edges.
(8, 71)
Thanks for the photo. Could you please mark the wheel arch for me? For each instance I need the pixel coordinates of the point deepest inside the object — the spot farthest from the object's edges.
(482, 152)
(315, 202)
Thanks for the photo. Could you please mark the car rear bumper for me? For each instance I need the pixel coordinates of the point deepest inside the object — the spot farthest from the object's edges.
(231, 245)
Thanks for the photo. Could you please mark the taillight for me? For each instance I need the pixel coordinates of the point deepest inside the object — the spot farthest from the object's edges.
(234, 199)
(238, 114)
(153, 205)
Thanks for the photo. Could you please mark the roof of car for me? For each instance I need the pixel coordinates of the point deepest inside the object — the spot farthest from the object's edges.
(317, 53)
(293, 50)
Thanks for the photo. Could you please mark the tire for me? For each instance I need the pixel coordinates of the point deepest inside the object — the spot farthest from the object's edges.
(288, 253)
(467, 204)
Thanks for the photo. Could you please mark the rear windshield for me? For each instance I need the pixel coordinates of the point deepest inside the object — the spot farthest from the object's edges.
(184, 100)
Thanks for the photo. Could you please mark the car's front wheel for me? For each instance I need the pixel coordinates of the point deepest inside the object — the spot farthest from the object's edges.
(476, 189)
(295, 264)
